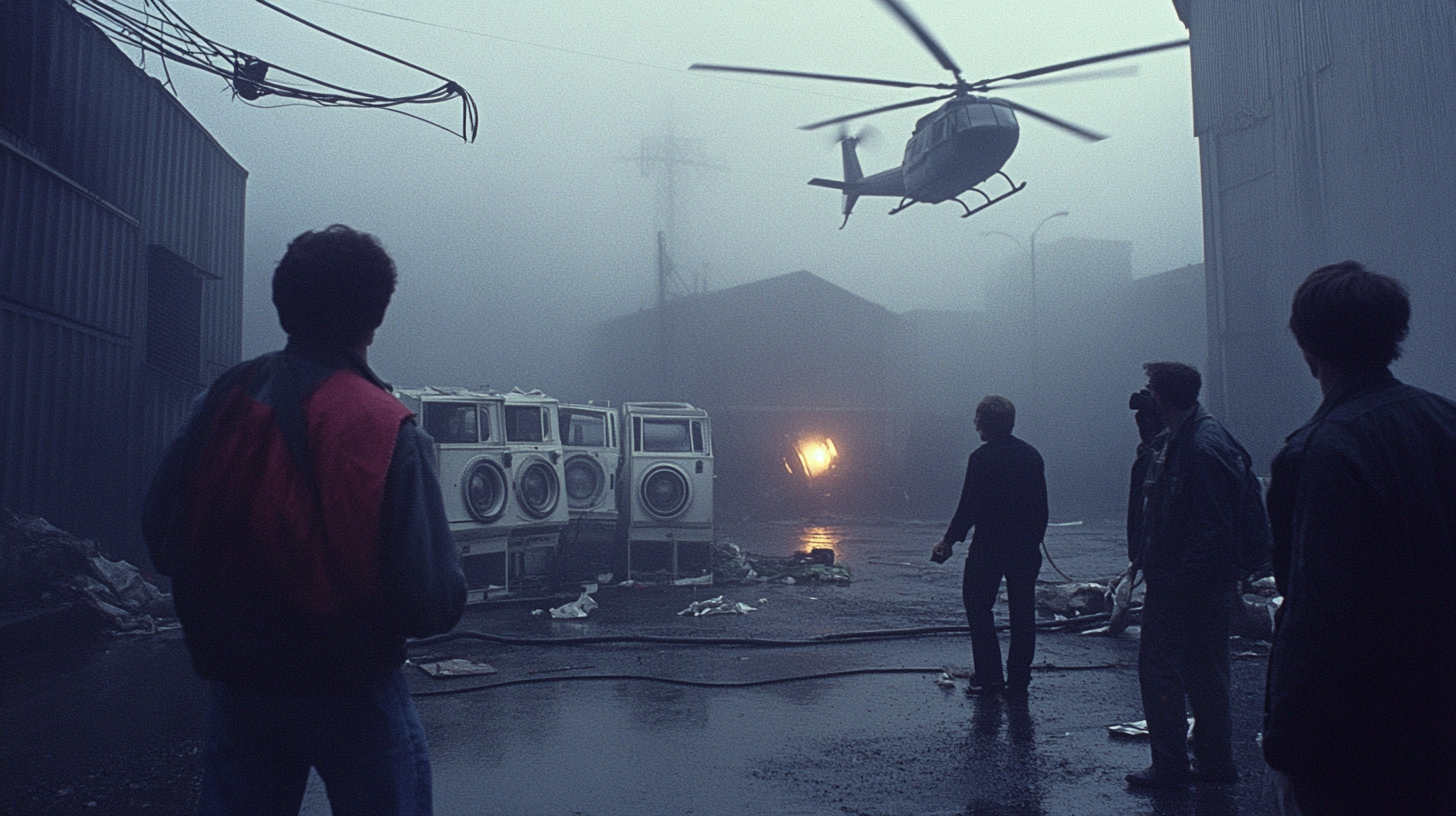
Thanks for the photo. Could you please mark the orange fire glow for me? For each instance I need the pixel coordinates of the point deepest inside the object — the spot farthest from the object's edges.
(817, 455)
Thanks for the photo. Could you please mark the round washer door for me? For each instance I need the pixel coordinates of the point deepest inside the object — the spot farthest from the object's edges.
(484, 488)
(665, 491)
(537, 489)
(586, 481)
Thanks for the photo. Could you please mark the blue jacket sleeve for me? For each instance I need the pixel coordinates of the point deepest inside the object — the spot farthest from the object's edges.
(422, 582)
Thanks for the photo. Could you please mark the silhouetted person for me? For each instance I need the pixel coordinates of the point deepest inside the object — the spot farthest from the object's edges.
(1203, 525)
(1004, 498)
(1361, 703)
(299, 516)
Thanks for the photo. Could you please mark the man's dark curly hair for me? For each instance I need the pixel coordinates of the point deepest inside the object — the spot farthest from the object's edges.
(1176, 384)
(1350, 317)
(333, 285)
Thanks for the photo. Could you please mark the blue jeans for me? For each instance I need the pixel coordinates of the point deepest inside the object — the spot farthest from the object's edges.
(368, 747)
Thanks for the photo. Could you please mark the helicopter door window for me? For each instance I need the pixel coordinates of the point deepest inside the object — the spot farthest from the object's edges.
(1005, 115)
(450, 422)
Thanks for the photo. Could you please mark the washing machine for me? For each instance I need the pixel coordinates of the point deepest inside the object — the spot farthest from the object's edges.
(475, 469)
(535, 463)
(667, 481)
(589, 548)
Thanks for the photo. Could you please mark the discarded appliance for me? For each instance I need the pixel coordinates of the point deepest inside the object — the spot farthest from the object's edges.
(499, 459)
(593, 456)
(667, 488)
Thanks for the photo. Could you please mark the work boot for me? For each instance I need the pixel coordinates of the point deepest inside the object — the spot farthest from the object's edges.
(1151, 777)
(986, 688)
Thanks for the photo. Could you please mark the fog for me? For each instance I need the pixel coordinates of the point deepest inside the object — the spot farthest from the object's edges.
(510, 246)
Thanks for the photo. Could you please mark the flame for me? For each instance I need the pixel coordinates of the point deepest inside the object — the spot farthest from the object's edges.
(817, 455)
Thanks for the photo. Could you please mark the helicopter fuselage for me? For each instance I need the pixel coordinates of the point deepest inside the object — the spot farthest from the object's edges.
(954, 148)
(959, 145)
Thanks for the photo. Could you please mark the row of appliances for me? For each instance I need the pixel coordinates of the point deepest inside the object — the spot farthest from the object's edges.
(537, 491)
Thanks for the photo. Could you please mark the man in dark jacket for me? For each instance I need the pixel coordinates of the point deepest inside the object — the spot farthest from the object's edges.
(1005, 499)
(300, 519)
(1203, 527)
(1361, 702)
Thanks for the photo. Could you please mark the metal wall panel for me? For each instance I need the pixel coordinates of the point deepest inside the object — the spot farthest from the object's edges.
(1328, 131)
(98, 164)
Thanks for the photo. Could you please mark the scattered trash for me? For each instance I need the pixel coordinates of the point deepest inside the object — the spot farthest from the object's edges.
(731, 565)
(717, 606)
(701, 580)
(604, 578)
(787, 579)
(1138, 729)
(576, 609)
(945, 680)
(455, 667)
(1119, 600)
(1071, 600)
(39, 561)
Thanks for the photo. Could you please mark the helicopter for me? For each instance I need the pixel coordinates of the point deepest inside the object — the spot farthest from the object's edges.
(961, 144)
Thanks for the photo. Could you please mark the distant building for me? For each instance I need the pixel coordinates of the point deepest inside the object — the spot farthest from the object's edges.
(121, 260)
(1327, 131)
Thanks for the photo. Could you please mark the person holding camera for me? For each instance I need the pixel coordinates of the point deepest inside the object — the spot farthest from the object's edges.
(1360, 709)
(300, 519)
(1004, 498)
(1202, 528)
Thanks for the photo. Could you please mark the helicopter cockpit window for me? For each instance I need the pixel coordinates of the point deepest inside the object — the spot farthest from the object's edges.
(587, 430)
(979, 115)
(666, 436)
(450, 422)
(1005, 115)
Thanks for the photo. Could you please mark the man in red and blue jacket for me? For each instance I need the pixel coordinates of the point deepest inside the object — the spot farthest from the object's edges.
(300, 519)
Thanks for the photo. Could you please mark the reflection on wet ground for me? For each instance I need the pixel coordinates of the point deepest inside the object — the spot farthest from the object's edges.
(866, 744)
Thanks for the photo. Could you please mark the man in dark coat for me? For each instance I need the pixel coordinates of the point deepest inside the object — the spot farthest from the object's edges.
(1203, 527)
(1005, 499)
(1361, 702)
(300, 519)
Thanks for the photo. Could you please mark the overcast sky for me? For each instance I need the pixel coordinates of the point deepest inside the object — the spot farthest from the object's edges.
(546, 220)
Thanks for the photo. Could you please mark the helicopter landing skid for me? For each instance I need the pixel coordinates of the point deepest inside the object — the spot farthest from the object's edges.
(989, 200)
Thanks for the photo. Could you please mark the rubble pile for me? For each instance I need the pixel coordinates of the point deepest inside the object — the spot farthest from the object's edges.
(1072, 600)
(732, 565)
(44, 567)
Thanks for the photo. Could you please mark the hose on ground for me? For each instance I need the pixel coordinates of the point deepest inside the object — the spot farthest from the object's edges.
(1069, 624)
(795, 678)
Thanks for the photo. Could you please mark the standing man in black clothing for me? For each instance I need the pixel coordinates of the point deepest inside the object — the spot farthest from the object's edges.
(1005, 499)
(1360, 712)
(1203, 527)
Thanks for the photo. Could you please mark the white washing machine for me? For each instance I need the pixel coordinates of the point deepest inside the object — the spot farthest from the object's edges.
(500, 464)
(590, 547)
(475, 478)
(667, 479)
(535, 463)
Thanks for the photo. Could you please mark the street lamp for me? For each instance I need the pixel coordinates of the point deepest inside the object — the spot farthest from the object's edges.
(1035, 334)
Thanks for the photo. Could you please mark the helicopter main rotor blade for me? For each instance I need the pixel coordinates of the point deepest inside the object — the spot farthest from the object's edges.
(919, 31)
(701, 66)
(836, 120)
(1105, 73)
(1062, 66)
(1089, 135)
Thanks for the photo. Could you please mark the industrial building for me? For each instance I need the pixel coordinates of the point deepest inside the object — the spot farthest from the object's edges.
(1327, 131)
(121, 263)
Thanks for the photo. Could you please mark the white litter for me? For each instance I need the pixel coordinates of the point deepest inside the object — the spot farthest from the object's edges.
(576, 609)
(717, 606)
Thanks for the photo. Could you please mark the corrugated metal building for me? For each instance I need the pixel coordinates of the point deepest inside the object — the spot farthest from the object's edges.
(1327, 131)
(121, 254)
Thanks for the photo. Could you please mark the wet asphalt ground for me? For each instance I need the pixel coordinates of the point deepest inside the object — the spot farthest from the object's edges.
(109, 725)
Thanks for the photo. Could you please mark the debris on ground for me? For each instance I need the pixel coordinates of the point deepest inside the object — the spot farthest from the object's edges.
(1071, 600)
(455, 667)
(732, 565)
(44, 567)
(717, 606)
(576, 609)
(1138, 729)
